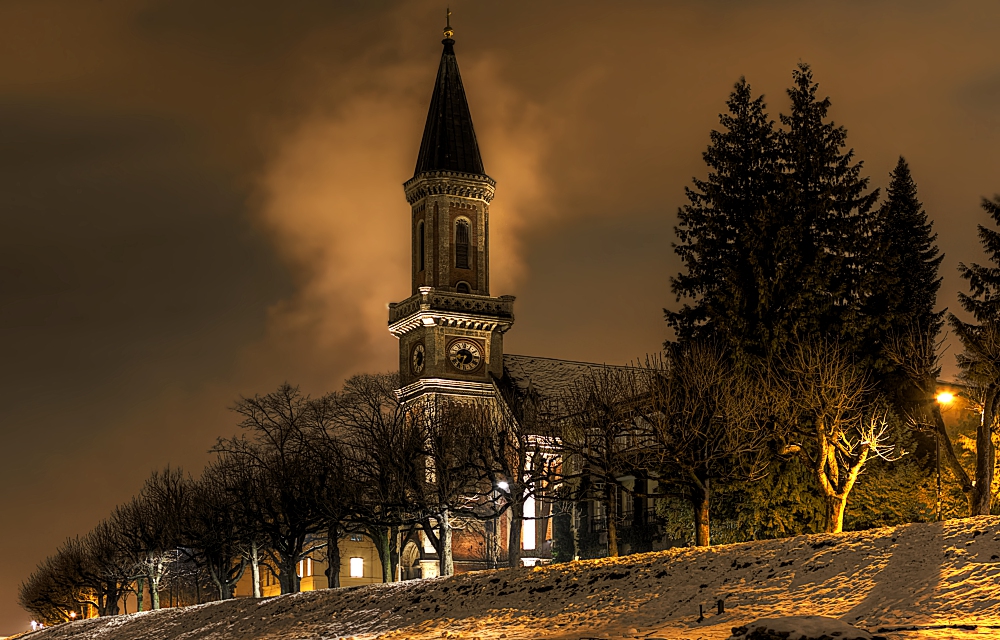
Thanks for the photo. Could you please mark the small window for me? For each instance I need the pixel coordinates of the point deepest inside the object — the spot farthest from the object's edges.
(463, 287)
(420, 245)
(462, 244)
(357, 537)
(357, 567)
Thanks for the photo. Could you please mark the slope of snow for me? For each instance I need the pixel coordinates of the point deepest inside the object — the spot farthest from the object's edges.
(919, 575)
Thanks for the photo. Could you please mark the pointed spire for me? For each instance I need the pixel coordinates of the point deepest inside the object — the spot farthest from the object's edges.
(449, 142)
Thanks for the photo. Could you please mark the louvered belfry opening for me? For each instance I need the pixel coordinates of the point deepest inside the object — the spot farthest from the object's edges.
(420, 245)
(462, 245)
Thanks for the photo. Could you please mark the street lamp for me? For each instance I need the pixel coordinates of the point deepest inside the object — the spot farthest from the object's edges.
(945, 397)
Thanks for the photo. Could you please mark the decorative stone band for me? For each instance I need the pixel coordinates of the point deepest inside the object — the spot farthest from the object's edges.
(467, 311)
(451, 183)
(426, 386)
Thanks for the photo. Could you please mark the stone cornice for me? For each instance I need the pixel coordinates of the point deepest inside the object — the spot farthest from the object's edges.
(452, 183)
(425, 386)
(432, 307)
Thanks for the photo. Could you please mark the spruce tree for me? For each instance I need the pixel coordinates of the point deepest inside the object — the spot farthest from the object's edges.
(827, 213)
(907, 275)
(980, 360)
(728, 232)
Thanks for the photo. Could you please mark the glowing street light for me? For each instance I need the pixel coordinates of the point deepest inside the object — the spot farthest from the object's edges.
(945, 398)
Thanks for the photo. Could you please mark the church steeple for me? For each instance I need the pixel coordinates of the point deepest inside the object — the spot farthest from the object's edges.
(450, 329)
(449, 142)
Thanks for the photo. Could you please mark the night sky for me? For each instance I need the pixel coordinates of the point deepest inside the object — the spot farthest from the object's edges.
(203, 199)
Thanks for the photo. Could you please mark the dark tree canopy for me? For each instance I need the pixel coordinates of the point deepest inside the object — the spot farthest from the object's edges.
(730, 231)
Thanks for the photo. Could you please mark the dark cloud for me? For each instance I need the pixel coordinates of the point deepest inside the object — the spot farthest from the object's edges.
(203, 199)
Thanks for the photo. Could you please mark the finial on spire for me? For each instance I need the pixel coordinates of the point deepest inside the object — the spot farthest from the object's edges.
(448, 31)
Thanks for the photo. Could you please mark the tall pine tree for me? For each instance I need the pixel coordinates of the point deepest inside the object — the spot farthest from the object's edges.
(829, 224)
(728, 233)
(909, 260)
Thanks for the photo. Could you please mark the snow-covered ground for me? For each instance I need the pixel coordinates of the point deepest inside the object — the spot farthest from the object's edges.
(925, 575)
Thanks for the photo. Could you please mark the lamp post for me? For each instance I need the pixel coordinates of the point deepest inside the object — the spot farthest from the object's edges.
(944, 398)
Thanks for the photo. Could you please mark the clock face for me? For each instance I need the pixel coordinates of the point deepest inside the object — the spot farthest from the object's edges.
(417, 359)
(464, 355)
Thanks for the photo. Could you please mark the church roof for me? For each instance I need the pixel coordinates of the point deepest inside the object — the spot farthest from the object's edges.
(449, 142)
(546, 378)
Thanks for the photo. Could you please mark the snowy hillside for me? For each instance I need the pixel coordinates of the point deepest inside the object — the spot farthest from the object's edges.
(923, 574)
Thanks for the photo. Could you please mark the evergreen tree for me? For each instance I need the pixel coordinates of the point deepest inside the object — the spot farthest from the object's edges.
(827, 213)
(907, 278)
(728, 233)
(980, 360)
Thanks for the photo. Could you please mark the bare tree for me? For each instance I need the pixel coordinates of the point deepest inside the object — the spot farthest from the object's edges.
(514, 450)
(216, 531)
(384, 450)
(339, 491)
(450, 453)
(829, 414)
(703, 412)
(601, 437)
(281, 480)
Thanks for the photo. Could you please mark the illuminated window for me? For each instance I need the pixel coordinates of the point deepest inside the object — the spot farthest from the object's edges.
(357, 567)
(305, 568)
(528, 527)
(357, 537)
(462, 244)
(420, 245)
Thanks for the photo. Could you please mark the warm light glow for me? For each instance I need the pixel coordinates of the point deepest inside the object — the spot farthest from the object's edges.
(945, 398)
(503, 486)
(357, 567)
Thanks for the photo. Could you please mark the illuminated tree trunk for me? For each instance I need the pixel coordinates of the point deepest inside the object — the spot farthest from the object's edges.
(700, 501)
(255, 569)
(514, 534)
(447, 561)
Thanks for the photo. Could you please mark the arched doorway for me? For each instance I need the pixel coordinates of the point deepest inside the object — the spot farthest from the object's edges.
(409, 562)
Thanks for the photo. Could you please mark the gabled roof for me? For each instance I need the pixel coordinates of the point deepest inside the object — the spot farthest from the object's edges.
(449, 142)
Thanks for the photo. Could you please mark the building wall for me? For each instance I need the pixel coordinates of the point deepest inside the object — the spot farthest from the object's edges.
(313, 574)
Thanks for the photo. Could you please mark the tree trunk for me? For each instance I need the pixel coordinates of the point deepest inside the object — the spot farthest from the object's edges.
(985, 460)
(514, 533)
(154, 589)
(834, 516)
(255, 569)
(380, 536)
(215, 578)
(447, 561)
(333, 556)
(140, 587)
(701, 497)
(289, 577)
(394, 553)
(612, 517)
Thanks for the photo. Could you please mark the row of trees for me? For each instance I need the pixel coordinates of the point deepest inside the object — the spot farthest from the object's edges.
(306, 472)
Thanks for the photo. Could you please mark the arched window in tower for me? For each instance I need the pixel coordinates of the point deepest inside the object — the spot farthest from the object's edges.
(463, 287)
(462, 244)
(420, 245)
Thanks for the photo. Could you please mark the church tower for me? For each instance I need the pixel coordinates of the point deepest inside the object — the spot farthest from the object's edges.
(450, 330)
